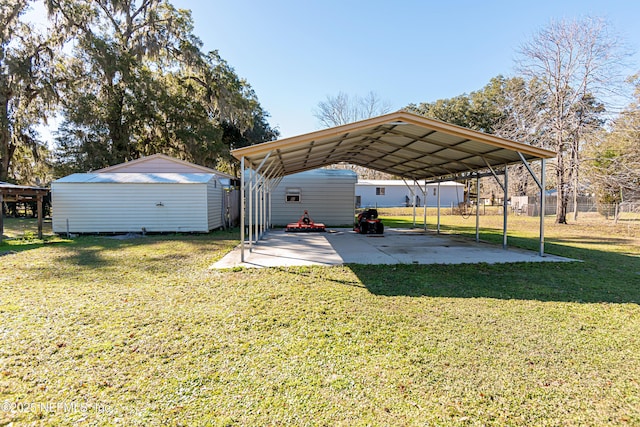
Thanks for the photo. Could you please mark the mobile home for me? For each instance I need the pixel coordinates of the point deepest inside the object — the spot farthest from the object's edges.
(396, 193)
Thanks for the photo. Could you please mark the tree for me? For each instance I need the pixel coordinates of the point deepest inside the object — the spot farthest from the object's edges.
(117, 44)
(613, 165)
(507, 107)
(343, 109)
(575, 62)
(479, 110)
(27, 91)
(143, 86)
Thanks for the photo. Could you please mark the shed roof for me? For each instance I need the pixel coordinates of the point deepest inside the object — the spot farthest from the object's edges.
(400, 143)
(138, 178)
(160, 160)
(21, 190)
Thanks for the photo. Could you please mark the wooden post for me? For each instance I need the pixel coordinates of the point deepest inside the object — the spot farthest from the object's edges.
(1, 217)
(40, 215)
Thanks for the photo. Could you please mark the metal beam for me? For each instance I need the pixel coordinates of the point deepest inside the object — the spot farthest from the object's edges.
(242, 210)
(505, 207)
(533, 175)
(477, 208)
(543, 205)
(443, 145)
(541, 184)
(438, 226)
(424, 219)
(495, 175)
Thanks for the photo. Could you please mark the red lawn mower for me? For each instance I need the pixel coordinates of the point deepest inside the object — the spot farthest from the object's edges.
(368, 223)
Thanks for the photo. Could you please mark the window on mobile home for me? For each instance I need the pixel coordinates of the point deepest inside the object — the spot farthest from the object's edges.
(379, 191)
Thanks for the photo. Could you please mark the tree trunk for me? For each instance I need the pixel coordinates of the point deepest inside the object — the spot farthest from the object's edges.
(561, 199)
(575, 195)
(118, 130)
(5, 139)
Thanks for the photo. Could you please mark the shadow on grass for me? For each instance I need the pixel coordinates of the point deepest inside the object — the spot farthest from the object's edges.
(603, 276)
(21, 245)
(88, 250)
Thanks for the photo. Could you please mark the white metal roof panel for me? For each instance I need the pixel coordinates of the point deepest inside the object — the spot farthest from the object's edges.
(138, 178)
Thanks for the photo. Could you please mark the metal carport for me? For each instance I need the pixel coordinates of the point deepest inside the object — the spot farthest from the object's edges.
(400, 143)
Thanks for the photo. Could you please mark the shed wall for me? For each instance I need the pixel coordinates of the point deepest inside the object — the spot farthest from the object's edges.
(328, 195)
(127, 207)
(215, 209)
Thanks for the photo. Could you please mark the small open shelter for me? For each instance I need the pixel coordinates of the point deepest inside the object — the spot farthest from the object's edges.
(22, 193)
(400, 143)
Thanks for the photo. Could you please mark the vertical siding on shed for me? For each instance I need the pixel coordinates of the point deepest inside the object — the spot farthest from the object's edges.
(215, 210)
(127, 207)
(328, 195)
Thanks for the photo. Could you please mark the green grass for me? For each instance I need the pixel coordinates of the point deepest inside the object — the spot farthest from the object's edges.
(141, 332)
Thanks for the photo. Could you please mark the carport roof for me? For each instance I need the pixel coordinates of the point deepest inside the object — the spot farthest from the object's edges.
(399, 143)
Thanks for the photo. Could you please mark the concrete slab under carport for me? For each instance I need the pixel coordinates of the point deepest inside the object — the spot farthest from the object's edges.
(340, 246)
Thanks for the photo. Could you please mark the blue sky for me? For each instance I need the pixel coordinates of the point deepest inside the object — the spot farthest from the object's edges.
(296, 53)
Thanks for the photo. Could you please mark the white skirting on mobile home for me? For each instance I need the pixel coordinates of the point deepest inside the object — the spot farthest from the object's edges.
(137, 202)
(327, 194)
(372, 193)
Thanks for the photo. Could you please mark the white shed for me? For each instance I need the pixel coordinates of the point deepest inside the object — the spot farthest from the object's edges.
(328, 195)
(136, 202)
(395, 193)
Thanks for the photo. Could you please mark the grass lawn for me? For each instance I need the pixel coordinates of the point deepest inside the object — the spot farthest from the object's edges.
(100, 331)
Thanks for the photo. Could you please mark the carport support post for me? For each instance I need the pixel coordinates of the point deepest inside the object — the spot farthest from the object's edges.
(242, 213)
(415, 198)
(260, 211)
(541, 185)
(40, 214)
(264, 208)
(542, 205)
(425, 206)
(250, 197)
(438, 226)
(505, 207)
(477, 207)
(270, 213)
(256, 208)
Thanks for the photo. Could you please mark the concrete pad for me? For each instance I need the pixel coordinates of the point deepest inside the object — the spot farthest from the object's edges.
(396, 246)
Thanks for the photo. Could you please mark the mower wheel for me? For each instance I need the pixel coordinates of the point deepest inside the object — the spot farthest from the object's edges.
(364, 227)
